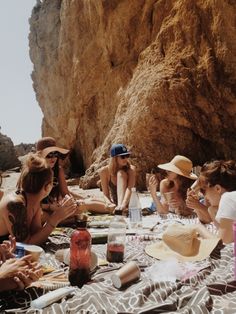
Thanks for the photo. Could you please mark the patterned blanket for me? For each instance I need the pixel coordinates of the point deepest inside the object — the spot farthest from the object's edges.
(211, 290)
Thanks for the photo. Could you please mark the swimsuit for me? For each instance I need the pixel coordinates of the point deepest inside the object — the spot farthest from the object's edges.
(113, 191)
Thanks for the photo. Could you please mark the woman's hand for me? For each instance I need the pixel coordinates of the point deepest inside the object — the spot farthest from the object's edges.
(153, 184)
(68, 207)
(25, 279)
(12, 266)
(7, 249)
(19, 273)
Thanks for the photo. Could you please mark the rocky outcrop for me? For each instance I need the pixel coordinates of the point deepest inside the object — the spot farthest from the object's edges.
(8, 158)
(157, 75)
(23, 149)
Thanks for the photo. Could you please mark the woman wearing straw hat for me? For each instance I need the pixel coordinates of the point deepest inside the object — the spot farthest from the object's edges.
(54, 156)
(174, 187)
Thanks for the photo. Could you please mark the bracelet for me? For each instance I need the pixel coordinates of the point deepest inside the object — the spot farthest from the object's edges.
(50, 224)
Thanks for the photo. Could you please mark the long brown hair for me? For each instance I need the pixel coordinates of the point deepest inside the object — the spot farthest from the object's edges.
(219, 172)
(35, 174)
(183, 184)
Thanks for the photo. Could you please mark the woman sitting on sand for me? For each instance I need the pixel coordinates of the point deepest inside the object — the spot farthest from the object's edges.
(174, 187)
(118, 177)
(20, 212)
(54, 155)
(217, 182)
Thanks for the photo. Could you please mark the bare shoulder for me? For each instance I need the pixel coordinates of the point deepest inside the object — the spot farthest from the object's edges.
(164, 185)
(8, 198)
(104, 171)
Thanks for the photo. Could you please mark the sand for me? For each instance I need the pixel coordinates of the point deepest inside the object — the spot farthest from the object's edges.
(10, 180)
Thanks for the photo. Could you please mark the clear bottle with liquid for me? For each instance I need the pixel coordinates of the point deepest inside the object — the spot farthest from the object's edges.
(135, 210)
(116, 238)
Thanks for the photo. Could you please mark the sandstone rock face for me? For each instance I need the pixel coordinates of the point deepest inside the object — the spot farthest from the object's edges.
(157, 75)
(8, 158)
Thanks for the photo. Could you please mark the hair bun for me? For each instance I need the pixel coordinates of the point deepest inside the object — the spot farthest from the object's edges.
(35, 163)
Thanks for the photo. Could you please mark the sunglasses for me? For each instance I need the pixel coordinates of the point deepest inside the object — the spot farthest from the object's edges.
(124, 156)
(53, 155)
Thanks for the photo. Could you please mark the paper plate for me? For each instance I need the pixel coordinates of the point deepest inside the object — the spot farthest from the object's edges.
(27, 248)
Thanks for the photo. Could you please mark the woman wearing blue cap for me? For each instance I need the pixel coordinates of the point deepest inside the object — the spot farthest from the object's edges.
(118, 177)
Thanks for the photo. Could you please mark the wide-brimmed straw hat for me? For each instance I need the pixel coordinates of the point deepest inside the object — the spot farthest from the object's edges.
(182, 243)
(180, 165)
(47, 145)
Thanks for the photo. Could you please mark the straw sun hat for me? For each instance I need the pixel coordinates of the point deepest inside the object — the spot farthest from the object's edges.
(182, 243)
(47, 145)
(180, 165)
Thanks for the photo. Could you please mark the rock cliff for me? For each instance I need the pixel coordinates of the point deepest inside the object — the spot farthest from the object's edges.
(157, 75)
(8, 157)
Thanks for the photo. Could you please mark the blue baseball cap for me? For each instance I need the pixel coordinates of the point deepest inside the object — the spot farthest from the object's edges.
(119, 150)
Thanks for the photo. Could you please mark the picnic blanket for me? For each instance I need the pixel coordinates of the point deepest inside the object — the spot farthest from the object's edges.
(211, 290)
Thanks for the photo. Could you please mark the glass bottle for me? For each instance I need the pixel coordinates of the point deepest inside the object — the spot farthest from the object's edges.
(116, 238)
(80, 255)
(135, 210)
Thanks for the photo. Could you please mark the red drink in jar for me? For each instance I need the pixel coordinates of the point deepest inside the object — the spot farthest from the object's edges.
(115, 252)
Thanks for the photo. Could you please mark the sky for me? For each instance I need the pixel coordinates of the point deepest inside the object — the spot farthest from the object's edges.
(20, 114)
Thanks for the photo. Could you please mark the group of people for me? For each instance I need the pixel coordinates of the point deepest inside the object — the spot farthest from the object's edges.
(42, 200)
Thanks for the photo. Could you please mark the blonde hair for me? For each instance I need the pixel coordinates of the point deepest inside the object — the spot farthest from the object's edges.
(35, 174)
(114, 167)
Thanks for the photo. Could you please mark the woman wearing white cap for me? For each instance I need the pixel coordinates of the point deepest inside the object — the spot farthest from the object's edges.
(118, 177)
(174, 187)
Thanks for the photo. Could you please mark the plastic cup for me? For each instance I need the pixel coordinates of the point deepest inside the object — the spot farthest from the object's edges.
(169, 197)
(128, 273)
(34, 251)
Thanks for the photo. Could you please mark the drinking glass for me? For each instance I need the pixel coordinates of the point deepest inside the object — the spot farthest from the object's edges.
(170, 196)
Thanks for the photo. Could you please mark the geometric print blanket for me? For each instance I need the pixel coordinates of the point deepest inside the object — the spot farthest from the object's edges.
(211, 290)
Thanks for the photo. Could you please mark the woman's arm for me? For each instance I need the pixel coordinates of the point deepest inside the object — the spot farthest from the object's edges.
(130, 184)
(161, 205)
(225, 230)
(200, 209)
(62, 180)
(153, 190)
(104, 177)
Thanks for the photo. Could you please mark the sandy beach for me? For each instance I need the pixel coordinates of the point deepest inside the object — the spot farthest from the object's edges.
(10, 180)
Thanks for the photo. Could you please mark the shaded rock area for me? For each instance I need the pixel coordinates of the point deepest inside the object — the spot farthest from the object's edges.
(157, 75)
(8, 156)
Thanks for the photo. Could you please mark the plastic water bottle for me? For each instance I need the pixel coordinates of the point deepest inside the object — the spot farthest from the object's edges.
(116, 238)
(80, 255)
(135, 210)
